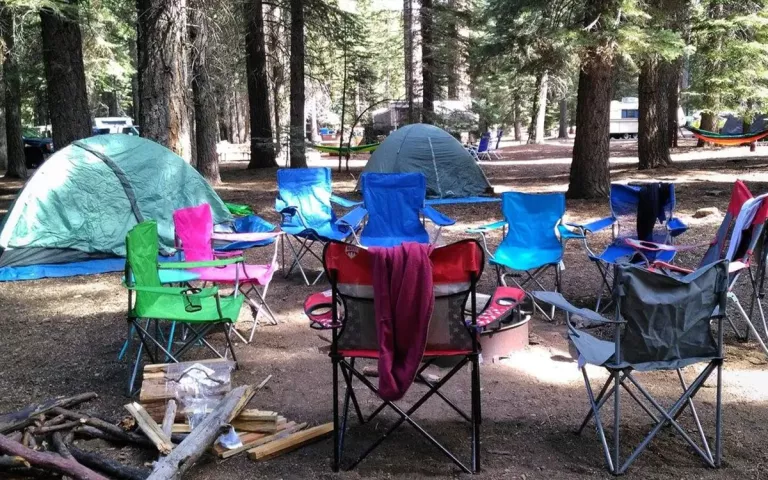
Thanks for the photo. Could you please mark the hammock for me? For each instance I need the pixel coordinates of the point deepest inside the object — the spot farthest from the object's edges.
(725, 139)
(346, 150)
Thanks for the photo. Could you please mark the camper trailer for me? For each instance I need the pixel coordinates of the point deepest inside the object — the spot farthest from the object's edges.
(102, 125)
(624, 116)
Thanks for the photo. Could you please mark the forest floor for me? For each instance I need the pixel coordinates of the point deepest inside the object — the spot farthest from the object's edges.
(62, 336)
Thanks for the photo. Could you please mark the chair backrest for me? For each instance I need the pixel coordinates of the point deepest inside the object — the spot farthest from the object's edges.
(394, 202)
(668, 318)
(631, 203)
(716, 251)
(309, 190)
(141, 246)
(194, 227)
(455, 271)
(747, 229)
(485, 143)
(532, 219)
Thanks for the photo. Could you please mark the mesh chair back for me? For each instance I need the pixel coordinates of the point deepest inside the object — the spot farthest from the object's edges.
(626, 203)
(309, 190)
(455, 268)
(716, 250)
(668, 318)
(194, 227)
(532, 219)
(141, 246)
(393, 202)
(485, 143)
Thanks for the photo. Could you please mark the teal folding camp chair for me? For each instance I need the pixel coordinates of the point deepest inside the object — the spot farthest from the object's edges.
(151, 305)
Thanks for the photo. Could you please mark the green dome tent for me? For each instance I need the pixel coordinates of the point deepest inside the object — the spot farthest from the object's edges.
(450, 170)
(72, 216)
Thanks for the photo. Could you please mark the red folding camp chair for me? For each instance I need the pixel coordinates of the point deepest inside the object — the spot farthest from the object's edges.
(456, 268)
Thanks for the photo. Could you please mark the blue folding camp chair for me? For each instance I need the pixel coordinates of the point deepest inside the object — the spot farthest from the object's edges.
(304, 197)
(393, 204)
(249, 224)
(643, 212)
(531, 244)
(483, 148)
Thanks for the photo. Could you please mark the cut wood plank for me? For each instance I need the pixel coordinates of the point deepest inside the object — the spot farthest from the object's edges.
(290, 443)
(211, 363)
(169, 417)
(251, 440)
(189, 451)
(258, 426)
(257, 415)
(181, 428)
(26, 416)
(150, 428)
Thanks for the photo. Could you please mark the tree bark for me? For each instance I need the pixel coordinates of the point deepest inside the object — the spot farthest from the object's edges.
(408, 56)
(539, 110)
(563, 130)
(65, 76)
(262, 147)
(518, 127)
(163, 82)
(206, 128)
(590, 173)
(427, 63)
(277, 58)
(652, 144)
(135, 98)
(708, 122)
(13, 133)
(3, 142)
(298, 120)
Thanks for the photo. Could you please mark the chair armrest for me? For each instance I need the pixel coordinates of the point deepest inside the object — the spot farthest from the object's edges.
(203, 293)
(557, 300)
(568, 234)
(244, 237)
(352, 219)
(287, 214)
(227, 254)
(594, 226)
(643, 245)
(211, 263)
(436, 217)
(488, 227)
(346, 203)
(676, 226)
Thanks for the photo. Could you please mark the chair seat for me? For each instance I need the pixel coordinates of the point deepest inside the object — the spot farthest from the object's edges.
(172, 307)
(374, 241)
(427, 353)
(517, 258)
(258, 274)
(326, 232)
(614, 253)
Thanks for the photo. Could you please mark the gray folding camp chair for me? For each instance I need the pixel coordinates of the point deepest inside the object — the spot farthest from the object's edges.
(661, 323)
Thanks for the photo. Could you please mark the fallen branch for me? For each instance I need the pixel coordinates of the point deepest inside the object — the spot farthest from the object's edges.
(124, 438)
(107, 427)
(8, 461)
(49, 461)
(26, 416)
(189, 451)
(59, 426)
(112, 468)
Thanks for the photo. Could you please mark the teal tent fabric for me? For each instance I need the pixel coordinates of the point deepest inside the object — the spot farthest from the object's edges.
(83, 200)
(450, 170)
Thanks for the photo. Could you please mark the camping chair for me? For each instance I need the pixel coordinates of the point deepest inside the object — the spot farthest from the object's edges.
(496, 144)
(629, 203)
(395, 212)
(200, 310)
(456, 270)
(194, 236)
(745, 219)
(661, 323)
(482, 150)
(530, 242)
(304, 197)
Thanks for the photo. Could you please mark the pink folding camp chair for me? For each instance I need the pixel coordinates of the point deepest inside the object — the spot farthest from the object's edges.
(195, 236)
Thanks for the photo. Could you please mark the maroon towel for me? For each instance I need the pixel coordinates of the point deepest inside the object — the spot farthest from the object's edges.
(404, 300)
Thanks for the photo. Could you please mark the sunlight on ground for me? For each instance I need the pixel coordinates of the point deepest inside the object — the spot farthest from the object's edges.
(548, 365)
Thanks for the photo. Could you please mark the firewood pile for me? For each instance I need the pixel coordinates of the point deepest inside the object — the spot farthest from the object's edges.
(42, 440)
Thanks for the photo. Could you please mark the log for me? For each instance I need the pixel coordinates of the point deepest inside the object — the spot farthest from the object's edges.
(107, 427)
(251, 440)
(124, 438)
(112, 468)
(189, 451)
(16, 436)
(290, 443)
(9, 461)
(54, 428)
(169, 417)
(49, 461)
(59, 445)
(24, 417)
(150, 428)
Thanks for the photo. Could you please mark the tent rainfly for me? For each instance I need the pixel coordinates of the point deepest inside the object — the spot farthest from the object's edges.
(72, 216)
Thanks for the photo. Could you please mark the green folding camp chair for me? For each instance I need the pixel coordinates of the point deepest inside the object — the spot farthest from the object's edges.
(152, 306)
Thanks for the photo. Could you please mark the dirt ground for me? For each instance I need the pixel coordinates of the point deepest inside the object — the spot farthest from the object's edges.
(62, 336)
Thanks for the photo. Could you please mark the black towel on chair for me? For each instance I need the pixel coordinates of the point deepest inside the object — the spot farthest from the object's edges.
(650, 208)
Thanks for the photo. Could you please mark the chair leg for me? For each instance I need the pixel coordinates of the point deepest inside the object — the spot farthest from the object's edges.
(336, 438)
(476, 413)
(751, 326)
(598, 423)
(227, 328)
(719, 416)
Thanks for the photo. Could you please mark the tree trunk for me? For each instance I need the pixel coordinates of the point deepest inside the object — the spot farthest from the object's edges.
(314, 131)
(563, 130)
(427, 63)
(539, 110)
(164, 116)
(13, 133)
(652, 145)
(3, 142)
(206, 128)
(277, 58)
(408, 56)
(298, 156)
(673, 101)
(518, 118)
(262, 147)
(65, 76)
(135, 98)
(708, 122)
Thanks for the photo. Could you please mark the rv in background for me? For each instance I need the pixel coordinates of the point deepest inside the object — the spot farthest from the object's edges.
(104, 125)
(625, 115)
